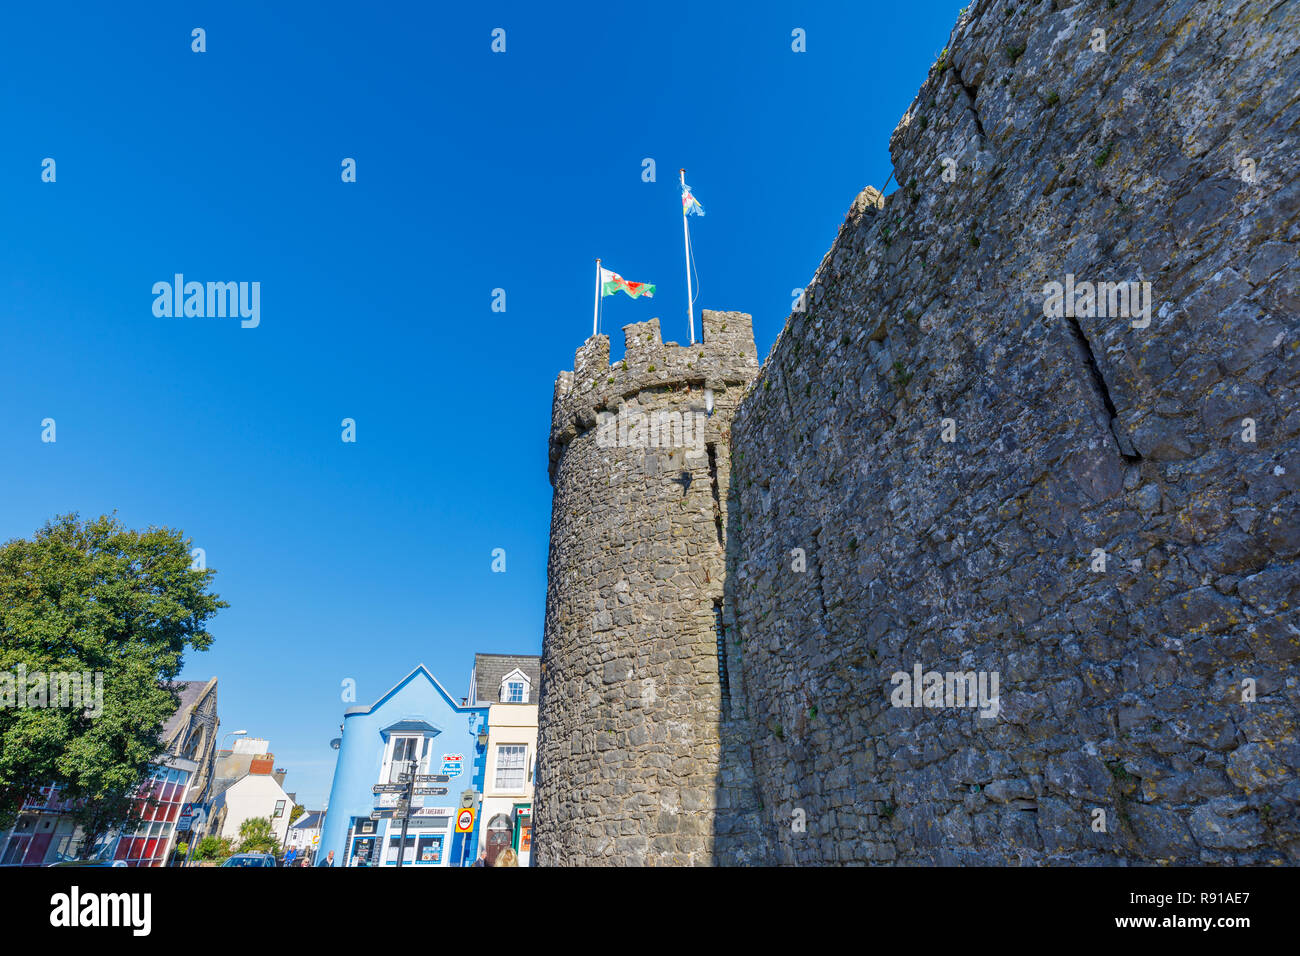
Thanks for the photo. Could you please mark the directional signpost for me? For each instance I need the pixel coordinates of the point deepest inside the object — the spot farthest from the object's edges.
(401, 810)
(408, 787)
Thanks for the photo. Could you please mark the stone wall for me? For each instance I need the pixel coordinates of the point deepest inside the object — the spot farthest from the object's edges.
(1163, 152)
(642, 758)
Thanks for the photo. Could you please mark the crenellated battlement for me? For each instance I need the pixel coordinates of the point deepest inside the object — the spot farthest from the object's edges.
(726, 356)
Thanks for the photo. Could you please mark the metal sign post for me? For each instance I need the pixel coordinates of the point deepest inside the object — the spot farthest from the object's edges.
(404, 807)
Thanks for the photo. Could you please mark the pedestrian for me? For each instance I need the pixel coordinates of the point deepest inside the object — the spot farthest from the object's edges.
(482, 859)
(508, 857)
(328, 861)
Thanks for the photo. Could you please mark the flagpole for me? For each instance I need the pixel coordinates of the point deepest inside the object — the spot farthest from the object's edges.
(595, 309)
(686, 235)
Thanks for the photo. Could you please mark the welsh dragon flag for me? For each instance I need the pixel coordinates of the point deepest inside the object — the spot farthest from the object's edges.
(612, 282)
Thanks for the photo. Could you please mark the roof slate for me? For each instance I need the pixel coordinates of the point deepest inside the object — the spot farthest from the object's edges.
(190, 692)
(491, 669)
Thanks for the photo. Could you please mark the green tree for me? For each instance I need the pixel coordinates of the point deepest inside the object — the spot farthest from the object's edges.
(256, 835)
(297, 811)
(93, 597)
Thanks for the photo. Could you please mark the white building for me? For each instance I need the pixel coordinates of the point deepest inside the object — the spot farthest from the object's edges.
(508, 683)
(258, 793)
(304, 833)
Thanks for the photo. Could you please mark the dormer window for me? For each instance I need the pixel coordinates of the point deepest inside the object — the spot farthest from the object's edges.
(514, 688)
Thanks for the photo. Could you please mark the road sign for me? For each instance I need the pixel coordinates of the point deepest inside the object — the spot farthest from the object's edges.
(388, 788)
(465, 821)
(403, 778)
(192, 816)
(432, 778)
(388, 814)
(430, 791)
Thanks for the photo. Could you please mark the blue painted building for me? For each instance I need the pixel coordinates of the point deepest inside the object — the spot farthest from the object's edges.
(417, 727)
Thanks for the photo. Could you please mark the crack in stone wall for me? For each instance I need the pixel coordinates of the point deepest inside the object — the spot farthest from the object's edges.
(1098, 381)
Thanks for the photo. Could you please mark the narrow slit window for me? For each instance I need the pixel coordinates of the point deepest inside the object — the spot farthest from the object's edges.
(717, 496)
(724, 682)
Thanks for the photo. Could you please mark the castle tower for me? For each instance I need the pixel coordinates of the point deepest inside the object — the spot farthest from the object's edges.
(642, 746)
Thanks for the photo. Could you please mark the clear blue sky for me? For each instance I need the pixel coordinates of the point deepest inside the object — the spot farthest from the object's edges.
(475, 171)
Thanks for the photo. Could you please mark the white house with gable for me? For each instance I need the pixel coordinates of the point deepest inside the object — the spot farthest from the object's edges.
(256, 794)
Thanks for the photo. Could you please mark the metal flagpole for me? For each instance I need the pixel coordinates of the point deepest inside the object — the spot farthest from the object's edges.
(686, 235)
(595, 309)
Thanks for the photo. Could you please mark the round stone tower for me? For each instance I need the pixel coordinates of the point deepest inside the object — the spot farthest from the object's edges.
(643, 750)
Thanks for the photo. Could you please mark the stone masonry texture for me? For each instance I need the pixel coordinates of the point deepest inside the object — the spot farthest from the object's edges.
(639, 761)
(935, 470)
(1121, 690)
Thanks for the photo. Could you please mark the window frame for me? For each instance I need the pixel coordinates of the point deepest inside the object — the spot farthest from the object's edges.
(521, 768)
(421, 752)
(515, 677)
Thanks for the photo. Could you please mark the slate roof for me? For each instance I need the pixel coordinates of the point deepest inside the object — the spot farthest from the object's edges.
(309, 820)
(190, 691)
(490, 669)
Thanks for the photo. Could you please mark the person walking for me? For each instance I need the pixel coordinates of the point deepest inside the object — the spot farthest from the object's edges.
(508, 857)
(328, 861)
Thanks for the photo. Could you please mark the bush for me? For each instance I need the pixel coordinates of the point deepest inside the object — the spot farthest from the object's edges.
(213, 848)
(257, 836)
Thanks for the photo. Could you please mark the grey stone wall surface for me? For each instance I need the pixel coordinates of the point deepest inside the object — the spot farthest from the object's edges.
(1165, 153)
(641, 760)
(945, 469)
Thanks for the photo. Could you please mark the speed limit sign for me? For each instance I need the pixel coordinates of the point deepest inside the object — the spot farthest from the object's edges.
(465, 821)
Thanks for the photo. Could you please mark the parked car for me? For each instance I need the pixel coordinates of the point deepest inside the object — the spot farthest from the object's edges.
(90, 863)
(251, 859)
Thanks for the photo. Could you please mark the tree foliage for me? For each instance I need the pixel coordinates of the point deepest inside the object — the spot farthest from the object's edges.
(94, 597)
(256, 835)
(213, 848)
